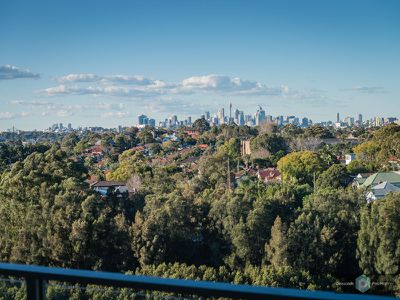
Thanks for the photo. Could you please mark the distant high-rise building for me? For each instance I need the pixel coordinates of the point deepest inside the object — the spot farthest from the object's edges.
(207, 115)
(378, 121)
(349, 121)
(337, 118)
(142, 120)
(279, 120)
(174, 120)
(304, 122)
(237, 112)
(260, 116)
(69, 126)
(189, 120)
(221, 116)
(241, 120)
(151, 122)
(360, 119)
(389, 120)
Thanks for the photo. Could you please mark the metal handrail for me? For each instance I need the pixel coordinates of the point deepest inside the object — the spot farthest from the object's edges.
(36, 276)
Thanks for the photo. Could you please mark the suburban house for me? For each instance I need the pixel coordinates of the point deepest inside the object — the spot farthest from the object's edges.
(360, 179)
(381, 190)
(269, 175)
(350, 157)
(202, 146)
(95, 151)
(377, 178)
(104, 187)
(192, 133)
(171, 137)
(378, 185)
(394, 163)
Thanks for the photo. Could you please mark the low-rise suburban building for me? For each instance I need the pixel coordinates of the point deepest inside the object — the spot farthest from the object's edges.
(381, 190)
(269, 175)
(104, 187)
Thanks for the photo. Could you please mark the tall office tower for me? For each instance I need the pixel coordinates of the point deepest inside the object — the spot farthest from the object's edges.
(378, 121)
(207, 115)
(69, 126)
(268, 118)
(237, 112)
(279, 120)
(337, 118)
(174, 120)
(304, 122)
(221, 116)
(214, 120)
(360, 119)
(260, 116)
(189, 120)
(141, 119)
(291, 119)
(151, 122)
(241, 120)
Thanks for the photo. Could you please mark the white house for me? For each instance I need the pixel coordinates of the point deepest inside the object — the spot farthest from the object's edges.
(381, 190)
(103, 187)
(350, 157)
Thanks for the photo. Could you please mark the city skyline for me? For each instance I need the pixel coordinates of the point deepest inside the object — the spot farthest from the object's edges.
(116, 61)
(235, 116)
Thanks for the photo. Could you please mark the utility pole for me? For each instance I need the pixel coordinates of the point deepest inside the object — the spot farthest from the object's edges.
(229, 176)
(314, 184)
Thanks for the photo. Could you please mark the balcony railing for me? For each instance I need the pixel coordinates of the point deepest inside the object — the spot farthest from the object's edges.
(36, 278)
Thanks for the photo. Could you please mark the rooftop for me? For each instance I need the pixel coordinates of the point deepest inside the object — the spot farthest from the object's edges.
(377, 178)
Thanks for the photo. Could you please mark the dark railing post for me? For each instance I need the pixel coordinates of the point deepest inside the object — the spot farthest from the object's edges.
(35, 289)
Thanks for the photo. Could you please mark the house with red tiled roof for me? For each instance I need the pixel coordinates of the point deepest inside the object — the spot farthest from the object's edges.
(269, 175)
(202, 146)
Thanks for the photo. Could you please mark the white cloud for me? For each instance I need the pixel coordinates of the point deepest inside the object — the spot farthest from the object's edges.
(369, 89)
(65, 110)
(112, 79)
(13, 72)
(30, 103)
(117, 114)
(79, 78)
(64, 113)
(6, 115)
(140, 87)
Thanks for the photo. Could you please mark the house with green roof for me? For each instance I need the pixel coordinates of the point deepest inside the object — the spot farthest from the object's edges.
(377, 178)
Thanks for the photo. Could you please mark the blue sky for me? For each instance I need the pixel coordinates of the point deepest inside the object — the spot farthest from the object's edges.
(103, 62)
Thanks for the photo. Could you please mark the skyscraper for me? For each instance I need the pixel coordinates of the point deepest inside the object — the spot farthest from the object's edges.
(142, 120)
(360, 119)
(260, 116)
(241, 120)
(337, 118)
(237, 112)
(221, 116)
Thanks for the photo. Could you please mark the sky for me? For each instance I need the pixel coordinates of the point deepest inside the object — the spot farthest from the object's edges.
(101, 63)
